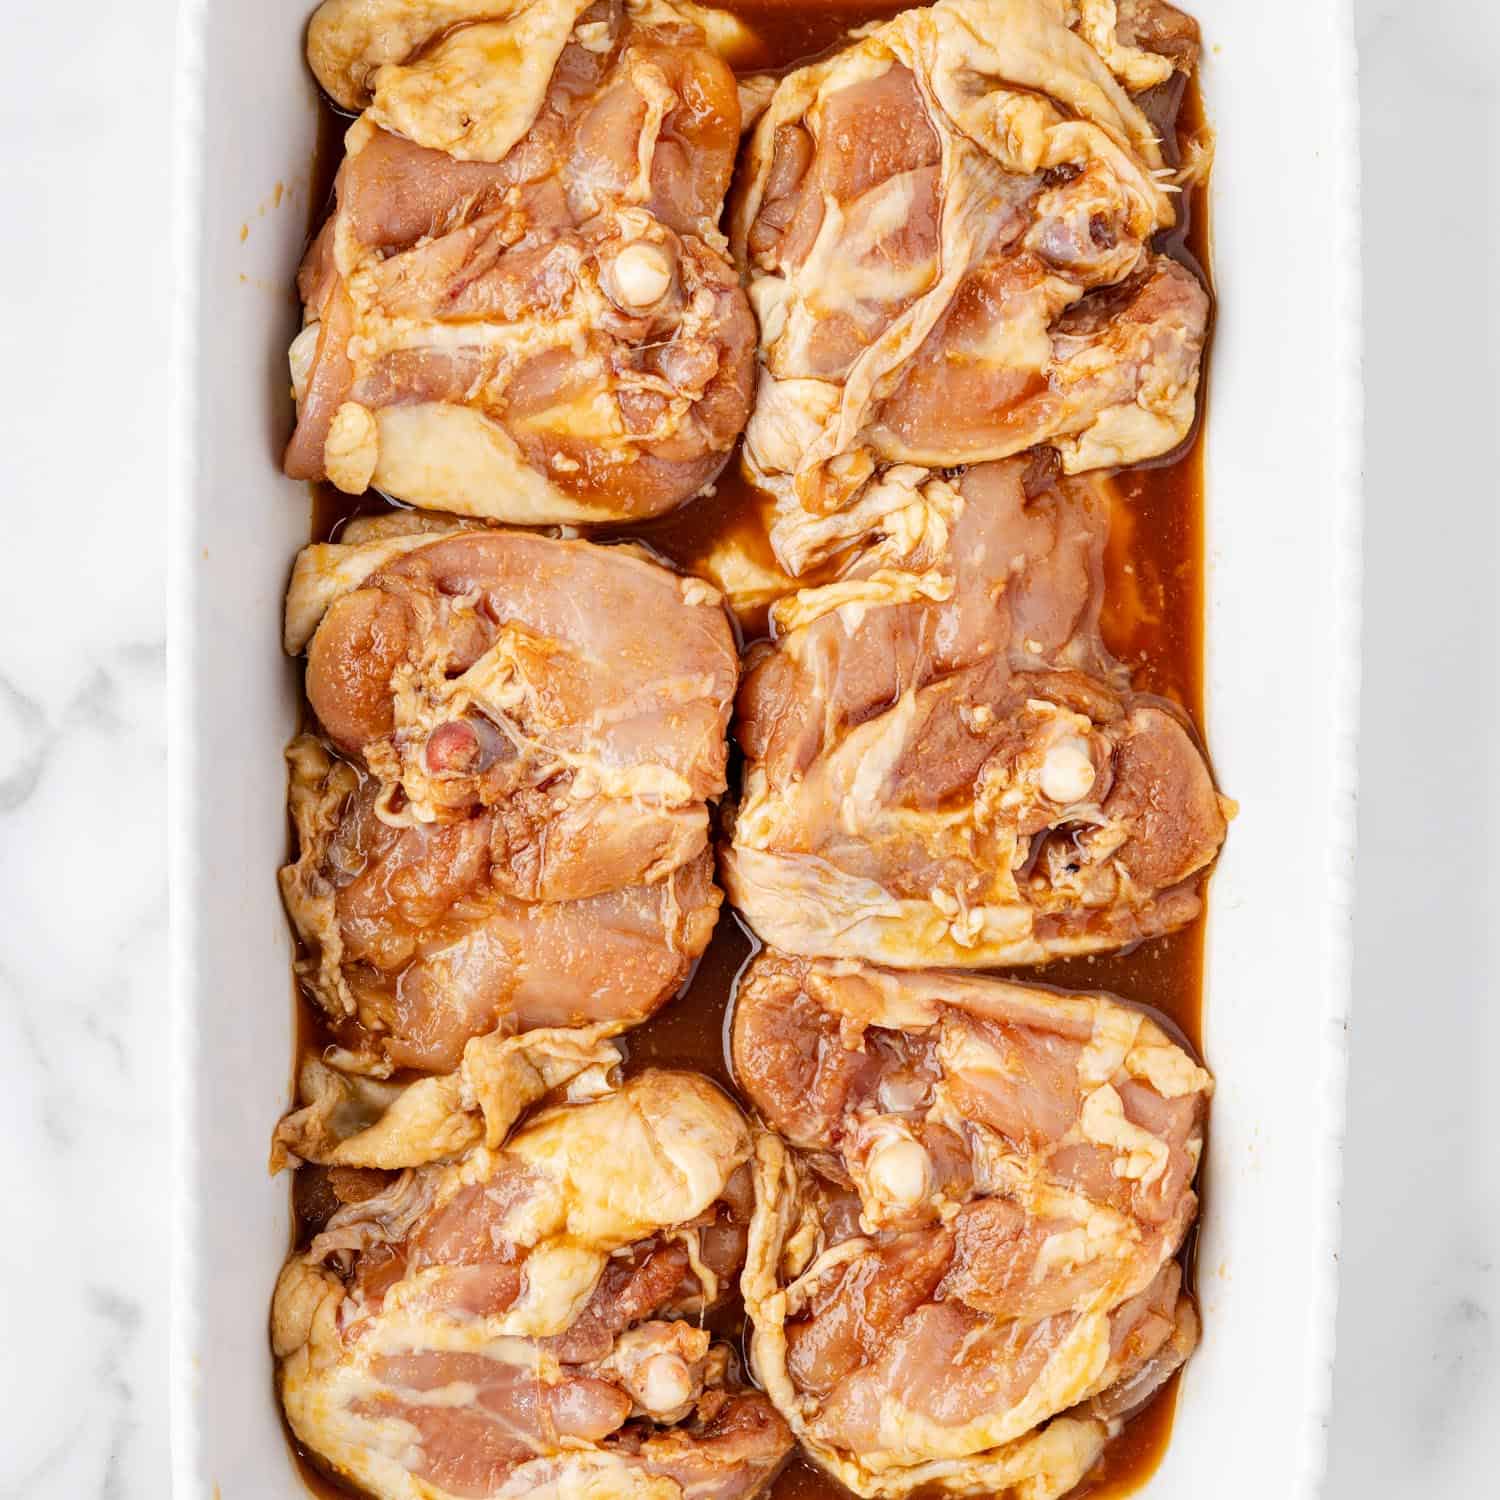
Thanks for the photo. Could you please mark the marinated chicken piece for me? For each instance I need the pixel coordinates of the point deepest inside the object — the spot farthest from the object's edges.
(944, 766)
(517, 835)
(961, 1268)
(947, 229)
(467, 665)
(413, 936)
(527, 1321)
(521, 307)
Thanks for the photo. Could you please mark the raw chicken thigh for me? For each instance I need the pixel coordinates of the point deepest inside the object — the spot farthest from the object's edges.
(947, 228)
(513, 833)
(956, 1224)
(943, 764)
(528, 1322)
(521, 307)
(961, 1266)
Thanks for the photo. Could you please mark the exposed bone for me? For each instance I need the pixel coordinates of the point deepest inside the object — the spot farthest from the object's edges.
(640, 275)
(665, 1382)
(1068, 771)
(899, 1171)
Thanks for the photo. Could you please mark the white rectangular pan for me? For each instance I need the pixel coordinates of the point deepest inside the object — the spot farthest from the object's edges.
(1282, 672)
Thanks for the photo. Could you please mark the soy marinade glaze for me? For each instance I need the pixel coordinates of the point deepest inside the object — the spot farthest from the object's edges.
(1152, 621)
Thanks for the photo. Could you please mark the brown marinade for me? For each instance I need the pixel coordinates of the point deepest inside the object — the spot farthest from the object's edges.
(1153, 621)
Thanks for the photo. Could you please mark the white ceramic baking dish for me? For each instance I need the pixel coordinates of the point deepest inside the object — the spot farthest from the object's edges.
(1283, 548)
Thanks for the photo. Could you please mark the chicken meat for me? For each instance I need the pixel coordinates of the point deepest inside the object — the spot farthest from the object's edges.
(944, 766)
(961, 1272)
(521, 307)
(503, 825)
(529, 1321)
(949, 233)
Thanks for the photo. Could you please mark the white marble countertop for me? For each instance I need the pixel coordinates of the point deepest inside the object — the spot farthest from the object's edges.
(84, 123)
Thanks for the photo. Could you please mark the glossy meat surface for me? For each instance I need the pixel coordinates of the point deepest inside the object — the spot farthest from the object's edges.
(968, 1205)
(948, 230)
(515, 832)
(943, 764)
(521, 308)
(526, 1321)
(964, 1217)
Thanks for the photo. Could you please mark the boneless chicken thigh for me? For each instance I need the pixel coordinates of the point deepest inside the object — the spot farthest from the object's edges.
(528, 1321)
(944, 766)
(503, 826)
(961, 1269)
(948, 232)
(521, 307)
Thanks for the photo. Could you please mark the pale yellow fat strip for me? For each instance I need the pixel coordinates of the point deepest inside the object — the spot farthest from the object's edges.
(452, 457)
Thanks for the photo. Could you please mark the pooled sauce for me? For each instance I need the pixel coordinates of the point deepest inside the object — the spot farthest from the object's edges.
(793, 32)
(1152, 621)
